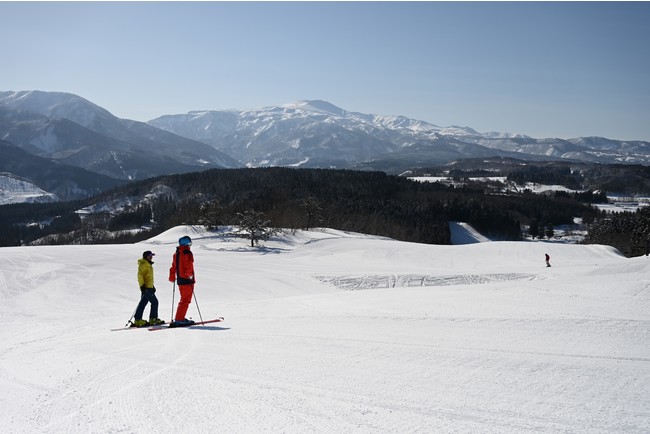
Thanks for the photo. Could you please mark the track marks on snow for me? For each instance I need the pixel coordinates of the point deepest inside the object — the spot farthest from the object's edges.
(114, 383)
(353, 283)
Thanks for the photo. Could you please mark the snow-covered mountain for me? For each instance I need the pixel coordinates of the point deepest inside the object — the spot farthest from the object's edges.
(56, 179)
(586, 149)
(75, 131)
(68, 129)
(320, 134)
(16, 190)
(308, 134)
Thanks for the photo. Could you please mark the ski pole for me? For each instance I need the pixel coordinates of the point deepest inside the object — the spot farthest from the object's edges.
(133, 314)
(173, 294)
(197, 304)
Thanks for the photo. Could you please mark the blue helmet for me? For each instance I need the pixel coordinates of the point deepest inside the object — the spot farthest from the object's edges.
(185, 241)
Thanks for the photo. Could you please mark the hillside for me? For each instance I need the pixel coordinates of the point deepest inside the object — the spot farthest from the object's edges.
(366, 202)
(16, 190)
(76, 132)
(327, 331)
(58, 181)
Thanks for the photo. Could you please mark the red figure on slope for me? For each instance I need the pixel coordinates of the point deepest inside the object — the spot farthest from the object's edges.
(182, 271)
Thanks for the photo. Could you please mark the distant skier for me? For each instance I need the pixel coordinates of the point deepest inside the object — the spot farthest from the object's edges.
(548, 260)
(148, 291)
(182, 271)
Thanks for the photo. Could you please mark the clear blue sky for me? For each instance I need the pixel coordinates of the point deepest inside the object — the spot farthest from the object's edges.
(549, 69)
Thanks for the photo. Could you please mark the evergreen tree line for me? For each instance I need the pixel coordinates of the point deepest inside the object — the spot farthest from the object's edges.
(368, 202)
(629, 232)
(549, 175)
(620, 178)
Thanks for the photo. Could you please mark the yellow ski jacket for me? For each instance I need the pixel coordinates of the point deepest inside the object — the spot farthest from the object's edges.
(145, 273)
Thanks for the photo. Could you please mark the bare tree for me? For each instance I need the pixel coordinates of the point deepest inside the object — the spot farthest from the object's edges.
(256, 225)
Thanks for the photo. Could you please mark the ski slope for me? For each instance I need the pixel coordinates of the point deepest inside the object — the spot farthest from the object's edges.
(328, 332)
(462, 233)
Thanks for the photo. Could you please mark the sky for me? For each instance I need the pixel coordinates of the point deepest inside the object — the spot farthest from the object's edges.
(545, 69)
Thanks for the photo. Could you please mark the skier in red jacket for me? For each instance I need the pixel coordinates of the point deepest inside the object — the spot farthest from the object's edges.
(182, 271)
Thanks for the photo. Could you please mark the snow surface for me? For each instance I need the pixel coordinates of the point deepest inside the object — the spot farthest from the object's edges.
(462, 233)
(328, 331)
(14, 189)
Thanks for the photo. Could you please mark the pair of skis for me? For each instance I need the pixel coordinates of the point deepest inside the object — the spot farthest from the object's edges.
(168, 326)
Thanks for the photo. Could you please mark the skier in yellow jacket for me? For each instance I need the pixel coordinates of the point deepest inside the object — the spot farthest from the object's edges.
(145, 280)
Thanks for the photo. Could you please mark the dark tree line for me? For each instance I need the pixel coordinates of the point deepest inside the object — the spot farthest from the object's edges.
(367, 202)
(548, 174)
(629, 232)
(619, 178)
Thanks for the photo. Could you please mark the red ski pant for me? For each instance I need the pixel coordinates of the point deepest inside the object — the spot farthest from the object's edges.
(186, 298)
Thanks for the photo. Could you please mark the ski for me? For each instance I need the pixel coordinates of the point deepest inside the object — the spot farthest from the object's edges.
(137, 328)
(125, 328)
(170, 326)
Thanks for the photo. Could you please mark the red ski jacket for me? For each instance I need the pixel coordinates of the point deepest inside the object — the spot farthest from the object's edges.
(182, 269)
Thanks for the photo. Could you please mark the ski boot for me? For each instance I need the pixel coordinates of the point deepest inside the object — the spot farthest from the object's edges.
(139, 323)
(182, 323)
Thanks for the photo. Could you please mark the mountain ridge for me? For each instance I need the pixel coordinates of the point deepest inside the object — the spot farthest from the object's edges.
(307, 133)
(62, 181)
(69, 129)
(45, 123)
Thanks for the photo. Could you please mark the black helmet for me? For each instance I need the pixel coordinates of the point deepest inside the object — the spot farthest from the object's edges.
(147, 254)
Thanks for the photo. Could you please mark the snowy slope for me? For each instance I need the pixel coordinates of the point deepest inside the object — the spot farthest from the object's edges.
(462, 233)
(16, 190)
(328, 331)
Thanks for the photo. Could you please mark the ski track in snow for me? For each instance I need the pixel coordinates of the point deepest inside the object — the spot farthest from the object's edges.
(418, 280)
(328, 332)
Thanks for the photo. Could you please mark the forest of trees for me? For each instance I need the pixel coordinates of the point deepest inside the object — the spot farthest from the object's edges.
(368, 202)
(548, 175)
(629, 232)
(612, 178)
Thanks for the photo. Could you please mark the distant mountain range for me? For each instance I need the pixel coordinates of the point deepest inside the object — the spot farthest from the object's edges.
(319, 134)
(66, 131)
(73, 131)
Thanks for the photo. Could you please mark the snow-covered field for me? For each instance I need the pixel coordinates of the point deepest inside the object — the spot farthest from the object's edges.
(329, 332)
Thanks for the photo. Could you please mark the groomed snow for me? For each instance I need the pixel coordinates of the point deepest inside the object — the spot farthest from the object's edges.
(328, 331)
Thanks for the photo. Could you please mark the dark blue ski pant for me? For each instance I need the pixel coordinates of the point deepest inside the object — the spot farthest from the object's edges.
(148, 296)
